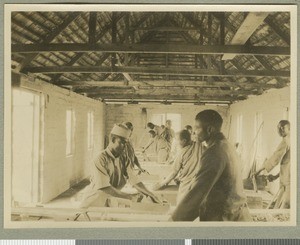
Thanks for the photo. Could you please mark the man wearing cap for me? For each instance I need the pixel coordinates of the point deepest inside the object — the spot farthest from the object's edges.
(110, 173)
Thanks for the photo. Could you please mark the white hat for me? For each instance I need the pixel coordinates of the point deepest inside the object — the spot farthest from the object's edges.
(120, 131)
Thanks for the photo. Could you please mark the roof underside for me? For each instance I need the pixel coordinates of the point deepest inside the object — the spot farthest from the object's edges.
(155, 56)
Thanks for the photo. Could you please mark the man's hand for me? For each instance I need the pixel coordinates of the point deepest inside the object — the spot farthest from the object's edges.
(155, 199)
(141, 170)
(271, 177)
(254, 174)
(157, 186)
(136, 197)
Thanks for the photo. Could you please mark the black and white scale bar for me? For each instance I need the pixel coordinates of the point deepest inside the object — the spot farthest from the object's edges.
(130, 242)
(246, 242)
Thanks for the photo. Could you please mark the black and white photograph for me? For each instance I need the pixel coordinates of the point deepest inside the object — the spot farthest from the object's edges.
(150, 115)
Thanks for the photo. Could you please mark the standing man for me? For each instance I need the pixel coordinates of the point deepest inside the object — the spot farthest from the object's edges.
(162, 147)
(110, 173)
(281, 156)
(129, 150)
(158, 130)
(185, 165)
(168, 134)
(216, 192)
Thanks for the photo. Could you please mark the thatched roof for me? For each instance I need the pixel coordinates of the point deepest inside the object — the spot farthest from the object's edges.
(157, 56)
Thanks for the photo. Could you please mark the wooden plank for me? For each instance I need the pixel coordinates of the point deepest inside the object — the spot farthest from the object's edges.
(269, 211)
(247, 28)
(121, 214)
(152, 48)
(130, 218)
(155, 70)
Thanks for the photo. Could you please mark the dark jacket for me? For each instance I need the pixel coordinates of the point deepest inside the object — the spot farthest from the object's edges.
(216, 192)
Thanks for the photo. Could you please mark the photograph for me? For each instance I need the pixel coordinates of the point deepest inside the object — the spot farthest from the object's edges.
(150, 115)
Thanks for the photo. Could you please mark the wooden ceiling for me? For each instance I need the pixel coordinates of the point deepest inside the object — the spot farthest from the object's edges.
(170, 57)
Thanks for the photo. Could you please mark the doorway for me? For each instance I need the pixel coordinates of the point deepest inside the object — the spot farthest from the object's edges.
(25, 146)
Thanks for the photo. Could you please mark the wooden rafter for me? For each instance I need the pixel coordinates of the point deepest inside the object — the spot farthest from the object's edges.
(78, 56)
(247, 28)
(259, 58)
(69, 19)
(92, 27)
(278, 31)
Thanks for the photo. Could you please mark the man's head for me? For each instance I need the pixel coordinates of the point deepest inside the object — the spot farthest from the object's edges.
(184, 138)
(152, 133)
(168, 123)
(283, 128)
(129, 126)
(150, 125)
(189, 128)
(118, 138)
(207, 124)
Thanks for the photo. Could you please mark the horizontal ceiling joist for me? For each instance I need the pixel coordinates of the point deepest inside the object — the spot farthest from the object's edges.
(173, 101)
(161, 83)
(164, 92)
(166, 97)
(155, 71)
(151, 48)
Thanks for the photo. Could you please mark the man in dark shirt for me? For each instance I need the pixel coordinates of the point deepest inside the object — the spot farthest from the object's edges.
(216, 192)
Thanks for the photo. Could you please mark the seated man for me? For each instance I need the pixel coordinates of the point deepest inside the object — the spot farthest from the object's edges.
(185, 164)
(111, 173)
(162, 147)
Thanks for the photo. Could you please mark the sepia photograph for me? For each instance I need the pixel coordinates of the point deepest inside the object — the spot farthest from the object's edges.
(148, 115)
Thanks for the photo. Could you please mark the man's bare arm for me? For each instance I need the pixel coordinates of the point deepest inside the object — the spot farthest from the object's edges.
(110, 190)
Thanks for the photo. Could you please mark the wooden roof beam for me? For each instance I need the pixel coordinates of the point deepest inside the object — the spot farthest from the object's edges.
(92, 27)
(166, 84)
(152, 48)
(155, 71)
(163, 91)
(192, 21)
(78, 56)
(278, 31)
(168, 97)
(71, 17)
(247, 28)
(267, 66)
